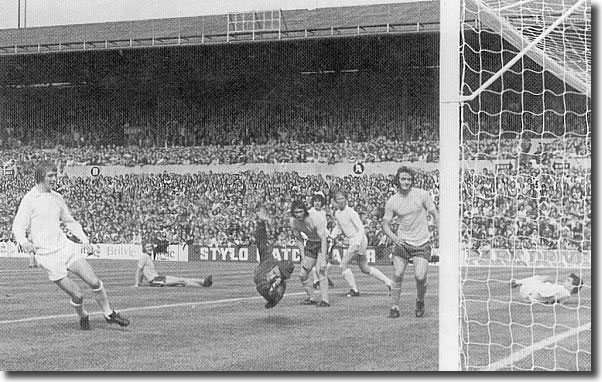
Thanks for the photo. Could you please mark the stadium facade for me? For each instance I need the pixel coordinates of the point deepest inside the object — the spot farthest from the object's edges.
(358, 66)
(409, 17)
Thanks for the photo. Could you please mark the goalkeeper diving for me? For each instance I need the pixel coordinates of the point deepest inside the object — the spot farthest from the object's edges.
(270, 275)
(542, 290)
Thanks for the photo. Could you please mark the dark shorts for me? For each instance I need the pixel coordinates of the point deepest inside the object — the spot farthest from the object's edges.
(158, 281)
(312, 249)
(408, 251)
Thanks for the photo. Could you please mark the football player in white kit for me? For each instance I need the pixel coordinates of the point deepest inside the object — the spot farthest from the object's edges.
(37, 228)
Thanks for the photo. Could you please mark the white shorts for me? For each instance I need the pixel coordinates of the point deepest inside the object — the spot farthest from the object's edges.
(57, 264)
(357, 247)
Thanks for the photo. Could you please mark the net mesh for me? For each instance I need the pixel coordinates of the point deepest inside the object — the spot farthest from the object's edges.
(526, 188)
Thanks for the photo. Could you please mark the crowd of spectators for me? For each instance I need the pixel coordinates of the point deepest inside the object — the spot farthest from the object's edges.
(380, 149)
(538, 208)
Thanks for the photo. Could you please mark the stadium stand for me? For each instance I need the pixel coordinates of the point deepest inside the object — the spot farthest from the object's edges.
(216, 209)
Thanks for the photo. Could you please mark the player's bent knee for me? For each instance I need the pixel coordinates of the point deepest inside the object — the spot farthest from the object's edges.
(97, 286)
(303, 275)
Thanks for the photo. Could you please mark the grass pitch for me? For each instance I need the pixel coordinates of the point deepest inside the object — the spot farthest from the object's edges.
(221, 328)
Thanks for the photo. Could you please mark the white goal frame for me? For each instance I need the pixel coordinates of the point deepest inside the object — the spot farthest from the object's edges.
(451, 99)
(449, 196)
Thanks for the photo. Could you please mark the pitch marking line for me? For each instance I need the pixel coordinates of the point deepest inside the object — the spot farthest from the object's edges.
(541, 344)
(141, 308)
(41, 318)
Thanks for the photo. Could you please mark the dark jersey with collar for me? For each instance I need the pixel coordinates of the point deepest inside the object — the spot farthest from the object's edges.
(267, 262)
(260, 277)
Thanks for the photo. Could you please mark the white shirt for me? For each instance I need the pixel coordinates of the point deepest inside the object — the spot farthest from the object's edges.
(313, 211)
(539, 289)
(349, 223)
(313, 226)
(40, 215)
(147, 266)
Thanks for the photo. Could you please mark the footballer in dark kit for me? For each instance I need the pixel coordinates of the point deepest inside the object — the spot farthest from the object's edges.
(270, 275)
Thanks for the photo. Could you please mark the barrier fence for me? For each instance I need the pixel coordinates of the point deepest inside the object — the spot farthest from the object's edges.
(249, 254)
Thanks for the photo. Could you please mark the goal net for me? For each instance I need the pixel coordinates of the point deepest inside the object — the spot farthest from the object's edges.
(524, 201)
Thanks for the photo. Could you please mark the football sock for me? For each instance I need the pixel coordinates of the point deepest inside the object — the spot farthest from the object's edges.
(314, 275)
(348, 275)
(100, 295)
(79, 308)
(421, 288)
(308, 287)
(324, 287)
(395, 294)
(380, 276)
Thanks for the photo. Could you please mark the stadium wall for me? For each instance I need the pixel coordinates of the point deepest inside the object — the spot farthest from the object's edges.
(249, 254)
(185, 253)
(300, 168)
(528, 258)
(305, 169)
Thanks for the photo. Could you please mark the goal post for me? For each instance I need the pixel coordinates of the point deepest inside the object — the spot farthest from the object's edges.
(449, 221)
(515, 198)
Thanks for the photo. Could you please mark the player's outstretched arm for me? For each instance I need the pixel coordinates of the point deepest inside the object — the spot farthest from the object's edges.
(73, 226)
(137, 278)
(138, 275)
(21, 225)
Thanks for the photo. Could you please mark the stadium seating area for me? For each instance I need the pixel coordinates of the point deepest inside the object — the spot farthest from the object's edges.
(376, 150)
(542, 210)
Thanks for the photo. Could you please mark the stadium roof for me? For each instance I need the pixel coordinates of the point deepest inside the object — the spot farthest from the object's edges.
(408, 17)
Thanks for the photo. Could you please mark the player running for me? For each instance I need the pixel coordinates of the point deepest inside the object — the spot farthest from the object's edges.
(313, 252)
(146, 275)
(349, 223)
(270, 275)
(37, 228)
(541, 289)
(411, 206)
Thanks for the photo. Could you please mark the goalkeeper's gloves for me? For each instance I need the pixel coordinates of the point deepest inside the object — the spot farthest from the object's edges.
(274, 283)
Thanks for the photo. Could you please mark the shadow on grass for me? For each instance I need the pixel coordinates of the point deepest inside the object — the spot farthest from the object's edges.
(275, 320)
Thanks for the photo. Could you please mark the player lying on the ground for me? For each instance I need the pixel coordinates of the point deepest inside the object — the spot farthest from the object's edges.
(146, 275)
(541, 289)
(270, 275)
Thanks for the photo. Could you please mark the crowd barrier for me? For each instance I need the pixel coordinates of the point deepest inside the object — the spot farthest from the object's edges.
(107, 251)
(249, 254)
(528, 258)
(303, 169)
(183, 252)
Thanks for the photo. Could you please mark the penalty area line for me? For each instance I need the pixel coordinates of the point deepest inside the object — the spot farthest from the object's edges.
(209, 302)
(139, 308)
(515, 357)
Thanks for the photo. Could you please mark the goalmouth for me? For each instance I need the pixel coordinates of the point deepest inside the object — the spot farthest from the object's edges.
(515, 198)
